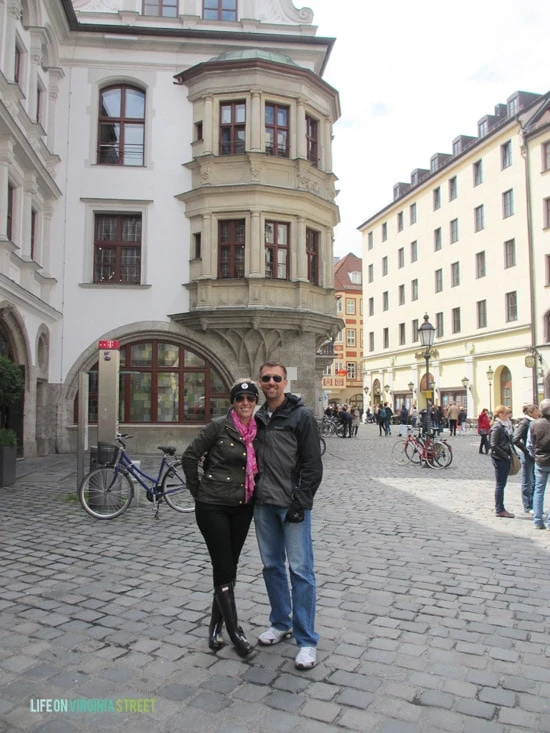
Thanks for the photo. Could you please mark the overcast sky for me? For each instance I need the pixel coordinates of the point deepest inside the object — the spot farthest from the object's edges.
(413, 76)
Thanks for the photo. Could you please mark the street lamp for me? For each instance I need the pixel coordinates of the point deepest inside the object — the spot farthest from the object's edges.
(426, 333)
(411, 387)
(490, 374)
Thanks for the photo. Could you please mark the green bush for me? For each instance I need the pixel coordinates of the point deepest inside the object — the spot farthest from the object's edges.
(8, 438)
(11, 382)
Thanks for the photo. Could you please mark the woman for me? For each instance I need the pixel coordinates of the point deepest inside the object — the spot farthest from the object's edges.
(530, 412)
(500, 441)
(483, 430)
(224, 502)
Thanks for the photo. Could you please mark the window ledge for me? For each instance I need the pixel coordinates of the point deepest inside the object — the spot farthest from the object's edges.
(124, 286)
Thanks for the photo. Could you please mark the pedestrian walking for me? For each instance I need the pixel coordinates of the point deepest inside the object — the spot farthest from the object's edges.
(530, 413)
(538, 445)
(291, 469)
(462, 417)
(224, 502)
(388, 414)
(483, 430)
(500, 441)
(413, 413)
(346, 419)
(453, 418)
(355, 420)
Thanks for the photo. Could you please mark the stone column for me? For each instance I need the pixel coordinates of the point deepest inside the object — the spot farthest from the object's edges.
(326, 146)
(6, 156)
(208, 126)
(301, 258)
(256, 122)
(207, 246)
(35, 61)
(256, 250)
(54, 75)
(45, 246)
(301, 148)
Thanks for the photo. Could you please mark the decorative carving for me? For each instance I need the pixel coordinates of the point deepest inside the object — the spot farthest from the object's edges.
(206, 170)
(434, 354)
(284, 11)
(95, 6)
(255, 172)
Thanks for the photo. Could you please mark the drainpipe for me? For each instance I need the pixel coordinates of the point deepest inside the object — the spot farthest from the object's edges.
(530, 254)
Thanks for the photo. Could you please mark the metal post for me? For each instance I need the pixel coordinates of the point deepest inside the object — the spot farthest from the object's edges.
(82, 427)
(428, 401)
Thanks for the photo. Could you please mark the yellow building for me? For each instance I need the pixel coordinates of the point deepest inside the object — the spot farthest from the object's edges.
(466, 242)
(342, 382)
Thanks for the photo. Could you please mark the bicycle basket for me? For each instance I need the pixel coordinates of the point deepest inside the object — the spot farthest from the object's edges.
(107, 453)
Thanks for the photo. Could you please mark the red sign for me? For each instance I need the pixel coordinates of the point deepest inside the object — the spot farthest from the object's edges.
(109, 344)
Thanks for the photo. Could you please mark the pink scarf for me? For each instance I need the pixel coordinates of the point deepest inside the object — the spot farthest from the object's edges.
(248, 433)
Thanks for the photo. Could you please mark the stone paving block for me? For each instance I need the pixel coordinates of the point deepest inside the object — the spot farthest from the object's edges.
(475, 708)
(517, 718)
(282, 700)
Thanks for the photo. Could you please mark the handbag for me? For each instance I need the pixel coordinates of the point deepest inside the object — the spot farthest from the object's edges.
(515, 463)
(483, 431)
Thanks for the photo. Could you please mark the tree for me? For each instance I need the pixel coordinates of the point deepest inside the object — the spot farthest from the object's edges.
(12, 385)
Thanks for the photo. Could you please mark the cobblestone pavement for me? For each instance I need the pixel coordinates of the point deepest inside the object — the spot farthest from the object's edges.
(433, 613)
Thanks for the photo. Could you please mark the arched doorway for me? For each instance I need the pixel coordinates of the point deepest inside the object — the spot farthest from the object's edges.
(12, 416)
(505, 387)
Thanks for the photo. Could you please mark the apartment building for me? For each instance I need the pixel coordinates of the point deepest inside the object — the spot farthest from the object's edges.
(342, 380)
(466, 242)
(166, 188)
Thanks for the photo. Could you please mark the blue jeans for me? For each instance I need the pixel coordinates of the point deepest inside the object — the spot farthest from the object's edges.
(527, 480)
(502, 469)
(541, 477)
(279, 541)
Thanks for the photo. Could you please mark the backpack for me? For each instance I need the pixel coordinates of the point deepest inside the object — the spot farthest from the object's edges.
(383, 412)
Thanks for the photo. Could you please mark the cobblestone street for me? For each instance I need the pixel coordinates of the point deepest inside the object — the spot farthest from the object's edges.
(433, 613)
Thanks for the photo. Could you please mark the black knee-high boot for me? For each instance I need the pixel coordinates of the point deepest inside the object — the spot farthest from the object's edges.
(226, 601)
(215, 639)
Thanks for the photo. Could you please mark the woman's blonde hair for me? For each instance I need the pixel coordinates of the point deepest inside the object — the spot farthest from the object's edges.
(501, 410)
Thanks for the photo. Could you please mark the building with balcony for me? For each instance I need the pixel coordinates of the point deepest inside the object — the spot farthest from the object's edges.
(342, 381)
(166, 184)
(466, 242)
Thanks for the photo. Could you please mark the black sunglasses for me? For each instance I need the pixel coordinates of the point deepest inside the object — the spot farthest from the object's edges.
(247, 397)
(275, 377)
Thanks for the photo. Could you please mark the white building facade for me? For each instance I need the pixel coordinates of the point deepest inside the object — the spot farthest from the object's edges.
(466, 242)
(165, 183)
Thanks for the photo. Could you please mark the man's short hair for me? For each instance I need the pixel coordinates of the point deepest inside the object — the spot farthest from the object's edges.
(544, 408)
(273, 364)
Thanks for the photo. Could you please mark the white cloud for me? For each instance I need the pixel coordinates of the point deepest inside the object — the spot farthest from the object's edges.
(413, 76)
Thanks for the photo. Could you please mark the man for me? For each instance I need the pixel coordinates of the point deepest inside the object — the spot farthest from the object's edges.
(346, 419)
(290, 471)
(452, 414)
(538, 445)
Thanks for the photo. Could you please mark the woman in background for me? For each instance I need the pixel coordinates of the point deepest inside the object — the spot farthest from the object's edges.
(530, 413)
(483, 430)
(500, 442)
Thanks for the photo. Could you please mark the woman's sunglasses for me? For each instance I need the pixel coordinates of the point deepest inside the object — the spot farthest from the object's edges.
(243, 397)
(275, 377)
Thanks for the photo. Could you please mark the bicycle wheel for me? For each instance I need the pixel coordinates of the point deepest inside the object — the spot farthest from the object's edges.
(105, 493)
(323, 445)
(175, 492)
(442, 454)
(436, 456)
(413, 451)
(399, 453)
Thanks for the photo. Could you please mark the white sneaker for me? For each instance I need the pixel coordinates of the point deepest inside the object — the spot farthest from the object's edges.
(306, 657)
(273, 636)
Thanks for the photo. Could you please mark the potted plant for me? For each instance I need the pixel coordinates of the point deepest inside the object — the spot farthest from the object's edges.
(11, 388)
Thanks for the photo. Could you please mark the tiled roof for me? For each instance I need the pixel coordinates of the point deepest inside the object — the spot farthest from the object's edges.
(342, 269)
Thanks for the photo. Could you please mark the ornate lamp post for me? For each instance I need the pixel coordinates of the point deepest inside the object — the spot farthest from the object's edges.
(490, 375)
(426, 333)
(411, 389)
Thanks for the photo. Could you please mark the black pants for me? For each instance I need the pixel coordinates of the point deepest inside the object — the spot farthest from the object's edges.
(452, 427)
(224, 529)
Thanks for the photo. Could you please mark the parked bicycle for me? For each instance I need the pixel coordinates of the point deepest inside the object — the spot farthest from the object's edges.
(418, 448)
(106, 492)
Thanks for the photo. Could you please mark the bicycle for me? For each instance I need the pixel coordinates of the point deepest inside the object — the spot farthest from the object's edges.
(323, 445)
(106, 492)
(418, 449)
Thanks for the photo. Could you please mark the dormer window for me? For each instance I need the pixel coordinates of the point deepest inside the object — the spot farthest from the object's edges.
(355, 277)
(219, 10)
